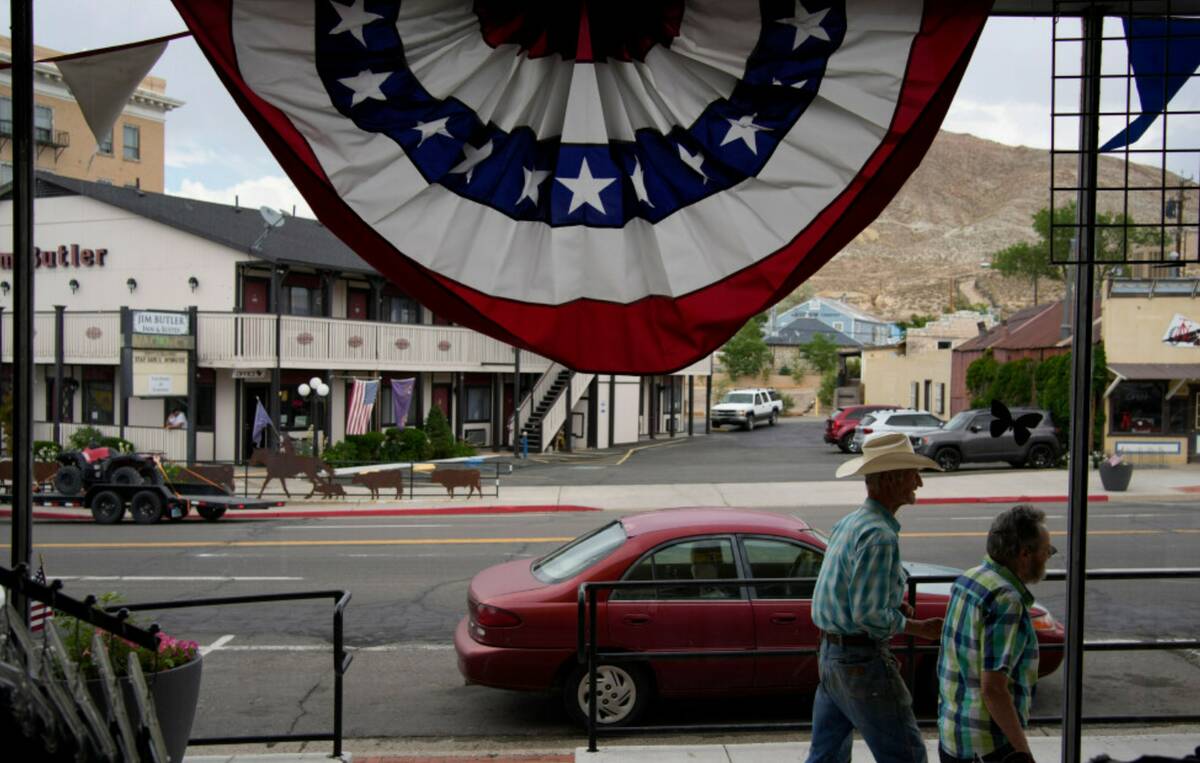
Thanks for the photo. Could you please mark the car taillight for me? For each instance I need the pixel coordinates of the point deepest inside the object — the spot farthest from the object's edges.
(494, 617)
(1042, 620)
(867, 430)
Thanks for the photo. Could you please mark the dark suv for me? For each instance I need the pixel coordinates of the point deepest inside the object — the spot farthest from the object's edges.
(839, 428)
(967, 438)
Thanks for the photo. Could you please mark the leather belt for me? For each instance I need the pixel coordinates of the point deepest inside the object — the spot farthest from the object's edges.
(849, 639)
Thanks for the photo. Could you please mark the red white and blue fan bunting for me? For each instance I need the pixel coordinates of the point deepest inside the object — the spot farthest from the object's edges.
(615, 185)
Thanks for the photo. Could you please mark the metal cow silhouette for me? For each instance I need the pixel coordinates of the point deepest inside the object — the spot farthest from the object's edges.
(283, 465)
(456, 478)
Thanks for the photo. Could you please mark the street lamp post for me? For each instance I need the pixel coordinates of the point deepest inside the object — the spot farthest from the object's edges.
(315, 391)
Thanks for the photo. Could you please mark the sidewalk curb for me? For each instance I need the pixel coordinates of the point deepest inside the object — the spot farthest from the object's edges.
(85, 516)
(1008, 499)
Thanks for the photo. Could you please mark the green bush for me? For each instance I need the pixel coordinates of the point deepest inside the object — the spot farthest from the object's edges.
(788, 402)
(463, 449)
(441, 438)
(116, 443)
(828, 388)
(45, 450)
(84, 437)
(404, 445)
(341, 452)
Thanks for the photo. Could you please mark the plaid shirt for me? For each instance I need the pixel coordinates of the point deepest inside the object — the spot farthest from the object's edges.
(861, 583)
(987, 629)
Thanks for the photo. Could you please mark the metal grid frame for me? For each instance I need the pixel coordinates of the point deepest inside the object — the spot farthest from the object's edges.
(1123, 237)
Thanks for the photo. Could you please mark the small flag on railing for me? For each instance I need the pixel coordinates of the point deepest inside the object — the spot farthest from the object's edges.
(402, 390)
(362, 401)
(262, 420)
(39, 613)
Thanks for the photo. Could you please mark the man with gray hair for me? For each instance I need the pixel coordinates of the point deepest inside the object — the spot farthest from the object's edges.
(989, 657)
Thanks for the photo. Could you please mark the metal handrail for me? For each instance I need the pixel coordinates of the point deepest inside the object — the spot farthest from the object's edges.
(341, 660)
(588, 651)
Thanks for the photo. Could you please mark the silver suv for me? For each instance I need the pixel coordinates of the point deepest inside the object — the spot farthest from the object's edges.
(906, 421)
(967, 438)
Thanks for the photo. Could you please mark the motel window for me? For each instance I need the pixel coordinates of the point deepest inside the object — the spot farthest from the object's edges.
(43, 124)
(68, 397)
(398, 309)
(132, 142)
(1137, 407)
(914, 394)
(943, 344)
(479, 403)
(98, 400)
(939, 399)
(105, 145)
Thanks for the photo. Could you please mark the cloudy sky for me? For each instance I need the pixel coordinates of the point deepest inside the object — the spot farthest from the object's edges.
(212, 153)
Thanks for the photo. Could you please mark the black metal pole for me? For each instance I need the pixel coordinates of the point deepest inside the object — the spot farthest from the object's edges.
(277, 274)
(59, 338)
(23, 191)
(568, 429)
(691, 405)
(671, 407)
(516, 428)
(1081, 384)
(708, 403)
(190, 431)
(612, 401)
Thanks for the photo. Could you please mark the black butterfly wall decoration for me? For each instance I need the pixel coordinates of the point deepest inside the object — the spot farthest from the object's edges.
(1002, 421)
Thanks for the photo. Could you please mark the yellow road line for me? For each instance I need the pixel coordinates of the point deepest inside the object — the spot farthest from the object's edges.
(269, 543)
(982, 534)
(631, 451)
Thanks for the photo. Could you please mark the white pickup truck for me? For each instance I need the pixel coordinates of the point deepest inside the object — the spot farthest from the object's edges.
(746, 407)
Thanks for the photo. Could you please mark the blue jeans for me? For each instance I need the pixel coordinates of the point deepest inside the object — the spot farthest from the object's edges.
(861, 688)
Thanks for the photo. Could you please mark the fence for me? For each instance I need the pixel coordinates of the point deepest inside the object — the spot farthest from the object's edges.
(588, 650)
(341, 660)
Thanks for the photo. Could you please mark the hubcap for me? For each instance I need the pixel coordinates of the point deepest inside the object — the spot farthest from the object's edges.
(617, 692)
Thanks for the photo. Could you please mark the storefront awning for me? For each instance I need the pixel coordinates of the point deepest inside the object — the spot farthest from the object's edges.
(1147, 371)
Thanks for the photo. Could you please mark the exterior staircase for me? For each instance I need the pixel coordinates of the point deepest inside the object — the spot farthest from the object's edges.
(544, 412)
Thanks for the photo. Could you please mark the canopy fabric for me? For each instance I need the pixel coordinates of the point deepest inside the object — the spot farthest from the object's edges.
(617, 186)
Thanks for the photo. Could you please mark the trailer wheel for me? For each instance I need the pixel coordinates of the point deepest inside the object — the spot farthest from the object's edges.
(146, 507)
(68, 480)
(211, 513)
(107, 507)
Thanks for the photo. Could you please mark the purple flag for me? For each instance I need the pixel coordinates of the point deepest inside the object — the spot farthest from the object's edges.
(402, 390)
(261, 421)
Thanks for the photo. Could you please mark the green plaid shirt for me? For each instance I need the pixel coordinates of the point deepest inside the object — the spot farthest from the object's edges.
(861, 582)
(987, 629)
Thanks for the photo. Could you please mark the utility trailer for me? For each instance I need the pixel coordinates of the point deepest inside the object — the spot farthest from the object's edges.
(148, 504)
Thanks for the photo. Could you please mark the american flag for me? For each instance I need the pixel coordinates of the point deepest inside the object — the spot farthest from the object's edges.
(39, 613)
(362, 399)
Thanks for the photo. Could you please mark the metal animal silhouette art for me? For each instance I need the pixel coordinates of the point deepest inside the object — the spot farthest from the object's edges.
(1002, 421)
(456, 478)
(377, 481)
(328, 489)
(283, 465)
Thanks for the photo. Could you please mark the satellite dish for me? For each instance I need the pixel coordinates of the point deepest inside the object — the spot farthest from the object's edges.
(272, 217)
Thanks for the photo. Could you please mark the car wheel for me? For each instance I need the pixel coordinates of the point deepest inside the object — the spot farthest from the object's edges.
(68, 480)
(146, 507)
(623, 688)
(211, 513)
(125, 475)
(948, 458)
(1041, 456)
(846, 443)
(774, 418)
(107, 507)
(750, 423)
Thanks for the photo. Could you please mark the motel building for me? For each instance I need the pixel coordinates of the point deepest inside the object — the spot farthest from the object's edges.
(264, 309)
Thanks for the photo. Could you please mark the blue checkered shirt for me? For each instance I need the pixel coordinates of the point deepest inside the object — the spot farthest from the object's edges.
(987, 628)
(861, 583)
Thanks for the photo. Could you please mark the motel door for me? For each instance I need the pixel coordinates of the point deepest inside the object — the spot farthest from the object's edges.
(356, 304)
(441, 398)
(255, 293)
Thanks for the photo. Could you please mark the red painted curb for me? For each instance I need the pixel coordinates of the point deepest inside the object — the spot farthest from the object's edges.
(1007, 499)
(323, 513)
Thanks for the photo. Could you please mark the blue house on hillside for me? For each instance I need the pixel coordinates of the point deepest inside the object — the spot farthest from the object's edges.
(862, 327)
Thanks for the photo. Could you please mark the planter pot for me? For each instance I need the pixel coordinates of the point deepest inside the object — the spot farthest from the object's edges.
(1115, 478)
(176, 693)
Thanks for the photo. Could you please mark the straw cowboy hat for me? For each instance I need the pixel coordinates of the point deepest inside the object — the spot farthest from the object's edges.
(885, 453)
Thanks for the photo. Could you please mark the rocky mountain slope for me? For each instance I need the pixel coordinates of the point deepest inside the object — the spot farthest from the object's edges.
(969, 198)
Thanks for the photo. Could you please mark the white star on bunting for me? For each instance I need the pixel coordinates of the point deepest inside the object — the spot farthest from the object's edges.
(471, 157)
(586, 189)
(695, 161)
(798, 84)
(366, 85)
(743, 129)
(429, 129)
(639, 183)
(533, 179)
(806, 24)
(353, 18)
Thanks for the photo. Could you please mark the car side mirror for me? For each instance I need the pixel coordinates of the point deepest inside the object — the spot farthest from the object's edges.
(975, 428)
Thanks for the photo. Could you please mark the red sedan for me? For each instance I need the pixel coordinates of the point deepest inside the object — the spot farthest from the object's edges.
(520, 630)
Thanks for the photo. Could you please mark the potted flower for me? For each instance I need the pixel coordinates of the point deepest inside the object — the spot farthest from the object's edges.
(1115, 473)
(172, 674)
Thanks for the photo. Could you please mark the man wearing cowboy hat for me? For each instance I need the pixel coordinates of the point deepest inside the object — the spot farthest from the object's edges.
(858, 605)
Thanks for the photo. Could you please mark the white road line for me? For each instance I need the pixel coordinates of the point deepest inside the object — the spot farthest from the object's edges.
(179, 578)
(218, 644)
(353, 527)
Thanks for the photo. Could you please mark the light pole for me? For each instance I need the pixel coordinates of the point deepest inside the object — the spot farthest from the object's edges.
(314, 392)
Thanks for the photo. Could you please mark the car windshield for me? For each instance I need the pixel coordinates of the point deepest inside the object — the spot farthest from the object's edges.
(738, 397)
(960, 421)
(575, 557)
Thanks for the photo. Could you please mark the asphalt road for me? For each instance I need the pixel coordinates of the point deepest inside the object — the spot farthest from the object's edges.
(791, 451)
(269, 671)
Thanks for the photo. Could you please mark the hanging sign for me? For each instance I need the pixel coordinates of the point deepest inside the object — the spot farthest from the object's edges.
(157, 373)
(160, 323)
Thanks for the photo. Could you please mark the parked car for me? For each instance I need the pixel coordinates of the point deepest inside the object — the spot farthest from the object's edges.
(905, 420)
(744, 408)
(967, 438)
(520, 628)
(839, 428)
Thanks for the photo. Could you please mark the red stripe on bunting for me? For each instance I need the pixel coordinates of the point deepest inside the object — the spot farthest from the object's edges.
(654, 334)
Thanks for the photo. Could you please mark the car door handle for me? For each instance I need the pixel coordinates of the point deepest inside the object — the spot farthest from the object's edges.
(782, 618)
(636, 619)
